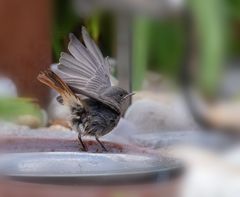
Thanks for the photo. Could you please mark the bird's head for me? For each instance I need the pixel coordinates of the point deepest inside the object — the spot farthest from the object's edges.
(119, 95)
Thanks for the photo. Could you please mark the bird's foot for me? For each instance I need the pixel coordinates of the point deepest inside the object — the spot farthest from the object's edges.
(104, 149)
(83, 147)
(101, 144)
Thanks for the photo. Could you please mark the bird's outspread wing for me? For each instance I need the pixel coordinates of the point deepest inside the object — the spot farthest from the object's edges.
(84, 68)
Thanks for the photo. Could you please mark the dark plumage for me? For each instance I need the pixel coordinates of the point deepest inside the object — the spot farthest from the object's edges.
(83, 82)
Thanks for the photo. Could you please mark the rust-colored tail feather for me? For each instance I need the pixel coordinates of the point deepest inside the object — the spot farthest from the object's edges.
(52, 80)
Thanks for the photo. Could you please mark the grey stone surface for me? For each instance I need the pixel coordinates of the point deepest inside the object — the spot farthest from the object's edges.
(149, 115)
(204, 139)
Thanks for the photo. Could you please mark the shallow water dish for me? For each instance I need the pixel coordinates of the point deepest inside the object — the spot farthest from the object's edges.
(87, 168)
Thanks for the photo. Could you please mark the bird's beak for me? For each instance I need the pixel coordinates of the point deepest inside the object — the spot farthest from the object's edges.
(128, 95)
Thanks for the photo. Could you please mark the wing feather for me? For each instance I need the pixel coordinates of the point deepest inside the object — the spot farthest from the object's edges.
(84, 68)
(68, 59)
(92, 47)
(80, 52)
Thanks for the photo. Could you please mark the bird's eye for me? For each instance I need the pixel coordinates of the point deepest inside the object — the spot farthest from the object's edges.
(121, 95)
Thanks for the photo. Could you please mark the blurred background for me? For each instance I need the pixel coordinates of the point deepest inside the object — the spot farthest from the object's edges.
(181, 57)
(154, 47)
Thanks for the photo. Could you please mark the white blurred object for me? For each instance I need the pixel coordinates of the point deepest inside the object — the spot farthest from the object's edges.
(151, 116)
(209, 174)
(57, 110)
(7, 87)
(233, 156)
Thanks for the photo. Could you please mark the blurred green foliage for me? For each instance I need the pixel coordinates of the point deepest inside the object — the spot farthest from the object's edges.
(140, 50)
(210, 24)
(12, 108)
(233, 7)
(157, 45)
(166, 45)
(65, 20)
(233, 12)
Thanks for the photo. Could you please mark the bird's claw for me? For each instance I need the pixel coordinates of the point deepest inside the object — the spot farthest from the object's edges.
(82, 149)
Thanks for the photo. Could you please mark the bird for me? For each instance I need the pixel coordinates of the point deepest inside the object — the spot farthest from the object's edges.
(82, 79)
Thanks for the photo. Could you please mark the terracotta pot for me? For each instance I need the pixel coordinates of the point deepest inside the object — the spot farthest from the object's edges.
(14, 189)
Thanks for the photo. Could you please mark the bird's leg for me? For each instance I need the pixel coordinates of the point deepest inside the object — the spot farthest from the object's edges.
(84, 148)
(103, 147)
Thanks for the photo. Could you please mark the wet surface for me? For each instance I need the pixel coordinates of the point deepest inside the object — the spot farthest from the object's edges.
(12, 145)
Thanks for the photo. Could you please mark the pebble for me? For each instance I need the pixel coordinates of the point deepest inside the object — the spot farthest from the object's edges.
(166, 115)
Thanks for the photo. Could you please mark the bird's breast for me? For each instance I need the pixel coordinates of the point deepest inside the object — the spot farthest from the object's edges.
(95, 119)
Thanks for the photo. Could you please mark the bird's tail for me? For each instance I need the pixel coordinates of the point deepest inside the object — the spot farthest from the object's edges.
(52, 80)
